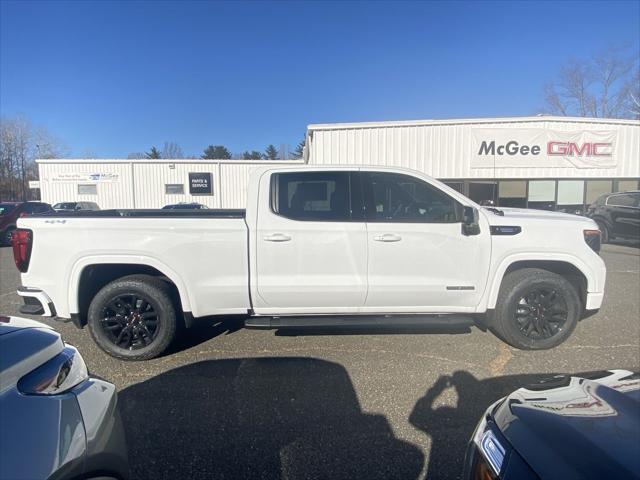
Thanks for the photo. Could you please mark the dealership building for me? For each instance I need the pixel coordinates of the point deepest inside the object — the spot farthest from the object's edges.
(559, 163)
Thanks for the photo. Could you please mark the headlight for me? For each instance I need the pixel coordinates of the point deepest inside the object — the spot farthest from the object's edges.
(61, 373)
(490, 453)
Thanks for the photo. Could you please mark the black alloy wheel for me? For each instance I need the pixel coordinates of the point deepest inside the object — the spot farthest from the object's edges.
(130, 321)
(541, 313)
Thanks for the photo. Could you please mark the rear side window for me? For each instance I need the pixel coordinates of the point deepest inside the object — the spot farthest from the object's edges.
(401, 198)
(627, 200)
(312, 196)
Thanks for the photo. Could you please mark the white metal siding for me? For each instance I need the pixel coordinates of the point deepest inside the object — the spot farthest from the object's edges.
(445, 150)
(141, 184)
(109, 194)
(150, 180)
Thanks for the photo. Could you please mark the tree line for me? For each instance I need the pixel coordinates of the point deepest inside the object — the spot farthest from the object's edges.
(20, 144)
(171, 150)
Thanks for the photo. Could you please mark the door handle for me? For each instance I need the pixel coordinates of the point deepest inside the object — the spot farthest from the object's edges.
(387, 237)
(277, 237)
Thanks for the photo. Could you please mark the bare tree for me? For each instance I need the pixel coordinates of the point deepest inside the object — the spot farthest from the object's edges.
(172, 150)
(603, 86)
(20, 145)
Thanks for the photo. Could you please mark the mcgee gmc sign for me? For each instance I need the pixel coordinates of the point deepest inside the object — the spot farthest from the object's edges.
(586, 149)
(539, 147)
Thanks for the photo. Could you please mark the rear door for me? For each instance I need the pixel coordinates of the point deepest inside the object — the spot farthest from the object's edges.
(311, 246)
(419, 259)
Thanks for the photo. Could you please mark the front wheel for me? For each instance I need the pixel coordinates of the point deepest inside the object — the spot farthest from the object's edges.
(605, 236)
(133, 318)
(536, 309)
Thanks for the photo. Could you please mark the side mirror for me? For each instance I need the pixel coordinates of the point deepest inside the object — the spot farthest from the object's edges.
(470, 225)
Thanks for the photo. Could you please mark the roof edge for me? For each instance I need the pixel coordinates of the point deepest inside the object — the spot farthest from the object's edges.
(463, 121)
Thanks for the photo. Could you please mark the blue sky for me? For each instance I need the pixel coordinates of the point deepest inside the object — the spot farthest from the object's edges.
(110, 78)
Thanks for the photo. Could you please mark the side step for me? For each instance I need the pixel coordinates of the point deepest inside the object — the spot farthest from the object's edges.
(353, 321)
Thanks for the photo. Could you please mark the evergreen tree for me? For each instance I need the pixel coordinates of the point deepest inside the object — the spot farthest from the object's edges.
(154, 153)
(271, 153)
(252, 155)
(299, 151)
(216, 152)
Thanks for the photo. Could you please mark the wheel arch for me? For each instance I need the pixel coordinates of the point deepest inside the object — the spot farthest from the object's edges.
(89, 275)
(571, 269)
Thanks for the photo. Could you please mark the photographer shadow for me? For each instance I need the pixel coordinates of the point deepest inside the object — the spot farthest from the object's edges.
(259, 418)
(450, 428)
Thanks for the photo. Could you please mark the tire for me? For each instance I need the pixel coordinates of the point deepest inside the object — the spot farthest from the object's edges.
(604, 232)
(133, 318)
(536, 309)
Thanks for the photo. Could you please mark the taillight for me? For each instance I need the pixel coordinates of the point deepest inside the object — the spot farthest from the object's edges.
(592, 237)
(22, 241)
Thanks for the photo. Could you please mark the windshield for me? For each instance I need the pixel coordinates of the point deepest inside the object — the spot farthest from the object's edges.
(6, 208)
(65, 206)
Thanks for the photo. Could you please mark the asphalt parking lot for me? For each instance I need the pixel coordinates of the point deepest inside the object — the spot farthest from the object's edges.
(235, 403)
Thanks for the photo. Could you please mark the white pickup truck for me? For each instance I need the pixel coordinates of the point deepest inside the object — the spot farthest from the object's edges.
(316, 246)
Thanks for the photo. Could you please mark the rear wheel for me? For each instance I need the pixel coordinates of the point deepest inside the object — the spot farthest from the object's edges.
(536, 309)
(133, 318)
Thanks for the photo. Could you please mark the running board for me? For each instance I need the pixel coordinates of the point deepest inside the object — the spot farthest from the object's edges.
(351, 321)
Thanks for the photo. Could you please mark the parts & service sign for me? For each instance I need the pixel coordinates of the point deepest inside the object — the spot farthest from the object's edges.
(200, 183)
(518, 148)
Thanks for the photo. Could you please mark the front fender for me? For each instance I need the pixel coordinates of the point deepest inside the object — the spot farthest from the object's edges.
(594, 274)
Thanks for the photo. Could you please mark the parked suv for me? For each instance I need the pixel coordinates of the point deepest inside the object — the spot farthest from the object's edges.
(617, 215)
(74, 206)
(11, 211)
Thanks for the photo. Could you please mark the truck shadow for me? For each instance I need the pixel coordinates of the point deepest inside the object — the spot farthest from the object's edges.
(259, 418)
(204, 329)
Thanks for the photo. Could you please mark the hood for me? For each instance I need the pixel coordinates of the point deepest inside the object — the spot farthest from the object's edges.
(576, 427)
(11, 324)
(512, 216)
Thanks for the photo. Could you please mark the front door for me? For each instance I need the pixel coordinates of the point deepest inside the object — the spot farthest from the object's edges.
(625, 214)
(419, 259)
(311, 250)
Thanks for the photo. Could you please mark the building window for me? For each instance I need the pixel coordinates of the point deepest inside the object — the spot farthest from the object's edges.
(627, 185)
(512, 193)
(483, 192)
(174, 189)
(542, 194)
(570, 196)
(596, 188)
(457, 186)
(87, 189)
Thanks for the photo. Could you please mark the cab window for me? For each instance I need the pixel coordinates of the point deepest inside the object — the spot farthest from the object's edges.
(313, 196)
(401, 198)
